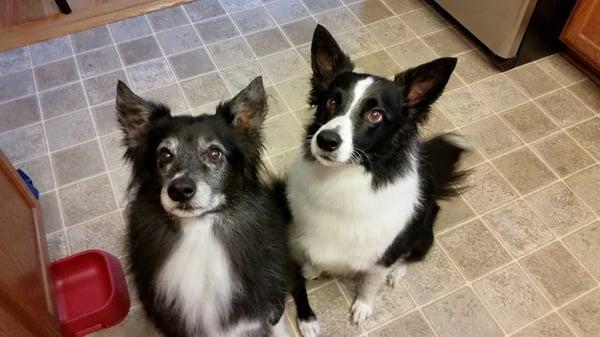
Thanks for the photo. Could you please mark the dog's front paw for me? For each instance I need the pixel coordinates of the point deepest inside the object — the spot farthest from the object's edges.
(309, 328)
(395, 276)
(361, 311)
(310, 272)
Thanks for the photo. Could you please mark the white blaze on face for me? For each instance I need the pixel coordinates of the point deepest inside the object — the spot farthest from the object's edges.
(343, 125)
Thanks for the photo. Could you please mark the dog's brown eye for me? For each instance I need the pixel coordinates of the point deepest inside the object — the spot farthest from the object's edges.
(214, 155)
(331, 103)
(164, 157)
(374, 116)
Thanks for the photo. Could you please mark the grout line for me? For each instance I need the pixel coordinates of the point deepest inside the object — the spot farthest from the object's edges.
(102, 154)
(164, 56)
(54, 179)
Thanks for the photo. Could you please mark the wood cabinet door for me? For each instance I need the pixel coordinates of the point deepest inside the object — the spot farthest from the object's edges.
(582, 31)
(25, 293)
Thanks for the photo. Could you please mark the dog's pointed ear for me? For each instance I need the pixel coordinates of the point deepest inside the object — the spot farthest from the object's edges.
(423, 84)
(248, 109)
(135, 114)
(327, 58)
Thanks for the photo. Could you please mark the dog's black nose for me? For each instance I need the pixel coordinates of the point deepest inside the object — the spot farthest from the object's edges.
(181, 189)
(328, 140)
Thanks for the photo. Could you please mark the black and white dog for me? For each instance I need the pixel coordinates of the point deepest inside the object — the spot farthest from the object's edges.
(363, 193)
(207, 239)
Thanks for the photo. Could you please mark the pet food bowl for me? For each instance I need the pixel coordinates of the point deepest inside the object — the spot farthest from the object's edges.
(90, 291)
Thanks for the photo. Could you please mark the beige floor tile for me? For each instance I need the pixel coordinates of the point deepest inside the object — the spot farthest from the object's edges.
(499, 93)
(452, 212)
(295, 92)
(512, 298)
(411, 53)
(283, 65)
(402, 6)
(390, 31)
(470, 159)
(463, 106)
(519, 228)
(560, 69)
(585, 245)
(523, 170)
(584, 315)
(57, 245)
(370, 11)
(106, 233)
(436, 123)
(557, 274)
(333, 312)
(433, 277)
(282, 133)
(390, 303)
(424, 21)
(564, 108)
(358, 43)
(549, 326)
(533, 80)
(588, 135)
(338, 20)
(237, 77)
(304, 116)
(562, 154)
(586, 185)
(461, 314)
(560, 208)
(473, 66)
(487, 189)
(412, 324)
(588, 93)
(491, 136)
(379, 63)
(447, 42)
(474, 249)
(529, 121)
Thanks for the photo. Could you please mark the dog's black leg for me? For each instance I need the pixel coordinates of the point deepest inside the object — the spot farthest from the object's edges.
(307, 320)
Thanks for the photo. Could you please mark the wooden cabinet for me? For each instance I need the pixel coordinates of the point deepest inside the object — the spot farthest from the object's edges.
(26, 302)
(24, 22)
(582, 32)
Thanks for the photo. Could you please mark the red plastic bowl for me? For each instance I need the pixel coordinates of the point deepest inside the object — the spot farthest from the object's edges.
(91, 292)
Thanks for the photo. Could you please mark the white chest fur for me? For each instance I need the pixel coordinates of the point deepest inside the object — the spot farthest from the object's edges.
(340, 223)
(197, 277)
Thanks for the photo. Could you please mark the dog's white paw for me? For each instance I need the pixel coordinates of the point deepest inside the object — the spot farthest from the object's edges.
(310, 273)
(309, 328)
(361, 311)
(395, 277)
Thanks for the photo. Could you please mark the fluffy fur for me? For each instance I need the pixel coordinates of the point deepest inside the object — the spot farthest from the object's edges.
(207, 240)
(364, 192)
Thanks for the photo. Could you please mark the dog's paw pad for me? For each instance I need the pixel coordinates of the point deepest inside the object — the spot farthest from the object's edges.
(309, 328)
(361, 311)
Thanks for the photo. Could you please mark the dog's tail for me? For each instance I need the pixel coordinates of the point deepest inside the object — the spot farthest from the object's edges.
(443, 153)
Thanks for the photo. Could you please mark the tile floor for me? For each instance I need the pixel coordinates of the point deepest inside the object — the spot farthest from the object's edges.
(517, 255)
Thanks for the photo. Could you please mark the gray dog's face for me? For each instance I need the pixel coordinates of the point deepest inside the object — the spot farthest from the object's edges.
(193, 161)
(194, 168)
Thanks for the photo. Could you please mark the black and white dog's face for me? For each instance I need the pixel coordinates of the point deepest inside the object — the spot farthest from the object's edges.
(193, 163)
(358, 115)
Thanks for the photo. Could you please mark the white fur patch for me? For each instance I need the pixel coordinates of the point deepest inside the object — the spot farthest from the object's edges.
(340, 224)
(309, 328)
(197, 277)
(344, 126)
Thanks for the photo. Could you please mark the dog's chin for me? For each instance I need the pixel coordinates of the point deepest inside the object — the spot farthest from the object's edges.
(186, 212)
(327, 159)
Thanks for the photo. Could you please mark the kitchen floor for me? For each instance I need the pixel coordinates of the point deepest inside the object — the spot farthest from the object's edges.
(516, 255)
